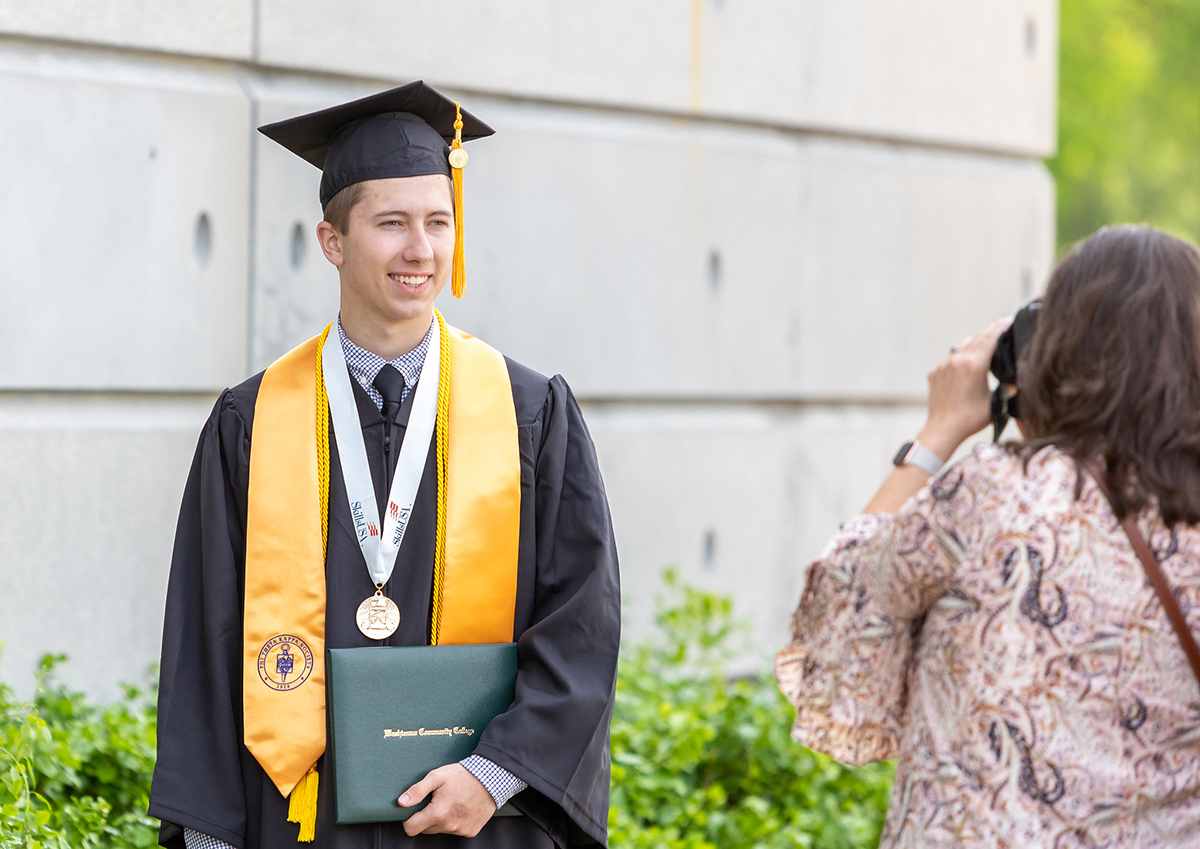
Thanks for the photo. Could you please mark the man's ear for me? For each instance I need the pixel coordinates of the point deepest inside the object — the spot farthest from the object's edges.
(331, 243)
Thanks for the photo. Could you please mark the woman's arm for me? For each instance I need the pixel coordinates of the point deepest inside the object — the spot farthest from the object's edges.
(959, 406)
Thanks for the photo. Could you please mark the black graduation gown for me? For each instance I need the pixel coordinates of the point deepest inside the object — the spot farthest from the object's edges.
(567, 624)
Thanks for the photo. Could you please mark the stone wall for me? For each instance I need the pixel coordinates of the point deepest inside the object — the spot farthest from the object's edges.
(742, 229)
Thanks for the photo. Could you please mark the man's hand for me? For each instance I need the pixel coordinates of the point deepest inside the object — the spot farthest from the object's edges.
(460, 804)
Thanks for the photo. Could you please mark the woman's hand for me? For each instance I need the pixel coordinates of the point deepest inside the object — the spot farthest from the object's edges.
(959, 397)
(959, 406)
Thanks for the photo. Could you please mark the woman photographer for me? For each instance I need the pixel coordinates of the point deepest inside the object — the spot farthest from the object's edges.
(992, 628)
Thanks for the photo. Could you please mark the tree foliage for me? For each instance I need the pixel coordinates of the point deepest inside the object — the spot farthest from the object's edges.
(74, 775)
(1129, 116)
(702, 762)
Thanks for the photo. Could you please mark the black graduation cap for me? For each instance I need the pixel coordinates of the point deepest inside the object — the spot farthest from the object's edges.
(408, 131)
(404, 132)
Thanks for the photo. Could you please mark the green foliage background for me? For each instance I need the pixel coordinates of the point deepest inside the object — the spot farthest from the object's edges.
(700, 762)
(74, 775)
(1129, 116)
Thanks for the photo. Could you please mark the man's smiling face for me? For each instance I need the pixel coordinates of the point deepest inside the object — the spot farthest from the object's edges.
(398, 249)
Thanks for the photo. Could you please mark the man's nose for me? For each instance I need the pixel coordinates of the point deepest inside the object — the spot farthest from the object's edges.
(416, 246)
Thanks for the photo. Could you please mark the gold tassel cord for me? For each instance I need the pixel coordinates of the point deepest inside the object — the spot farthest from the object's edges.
(443, 421)
(458, 158)
(323, 444)
(302, 805)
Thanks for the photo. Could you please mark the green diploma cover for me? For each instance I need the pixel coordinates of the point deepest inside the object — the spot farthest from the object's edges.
(398, 712)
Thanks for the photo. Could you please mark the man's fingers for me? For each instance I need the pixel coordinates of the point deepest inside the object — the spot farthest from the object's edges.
(414, 795)
(438, 817)
(458, 803)
(417, 793)
(418, 822)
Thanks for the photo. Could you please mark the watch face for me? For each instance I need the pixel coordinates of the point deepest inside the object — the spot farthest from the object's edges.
(902, 454)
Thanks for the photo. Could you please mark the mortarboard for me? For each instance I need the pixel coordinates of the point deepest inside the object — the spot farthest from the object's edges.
(408, 131)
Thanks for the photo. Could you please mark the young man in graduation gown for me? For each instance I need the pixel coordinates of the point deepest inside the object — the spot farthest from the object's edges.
(505, 535)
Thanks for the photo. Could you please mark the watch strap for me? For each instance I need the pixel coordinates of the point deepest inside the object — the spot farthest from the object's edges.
(915, 454)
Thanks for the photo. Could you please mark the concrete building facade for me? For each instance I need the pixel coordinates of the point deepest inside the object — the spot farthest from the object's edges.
(743, 230)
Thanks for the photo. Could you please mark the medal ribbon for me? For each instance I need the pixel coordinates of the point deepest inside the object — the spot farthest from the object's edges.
(379, 548)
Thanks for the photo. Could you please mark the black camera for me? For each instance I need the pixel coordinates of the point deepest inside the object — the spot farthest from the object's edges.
(1004, 366)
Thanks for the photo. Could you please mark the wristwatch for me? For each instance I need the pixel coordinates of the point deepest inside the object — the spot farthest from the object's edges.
(915, 454)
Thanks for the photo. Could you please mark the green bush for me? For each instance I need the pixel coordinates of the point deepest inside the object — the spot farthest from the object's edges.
(700, 761)
(73, 775)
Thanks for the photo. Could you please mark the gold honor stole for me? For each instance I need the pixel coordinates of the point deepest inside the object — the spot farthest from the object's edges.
(475, 569)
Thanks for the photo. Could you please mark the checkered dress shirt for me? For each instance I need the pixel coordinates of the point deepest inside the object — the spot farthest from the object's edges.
(364, 366)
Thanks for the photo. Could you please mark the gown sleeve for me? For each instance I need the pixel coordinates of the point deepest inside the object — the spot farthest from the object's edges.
(555, 736)
(846, 669)
(197, 780)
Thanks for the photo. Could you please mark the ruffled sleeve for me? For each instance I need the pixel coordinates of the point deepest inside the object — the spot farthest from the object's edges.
(847, 667)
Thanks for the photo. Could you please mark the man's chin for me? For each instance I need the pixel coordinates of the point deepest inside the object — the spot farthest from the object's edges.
(406, 312)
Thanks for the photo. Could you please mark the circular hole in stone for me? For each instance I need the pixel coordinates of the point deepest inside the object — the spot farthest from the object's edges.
(203, 239)
(714, 270)
(298, 246)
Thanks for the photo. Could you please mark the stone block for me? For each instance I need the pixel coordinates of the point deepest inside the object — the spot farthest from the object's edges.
(650, 258)
(976, 74)
(979, 75)
(738, 498)
(220, 28)
(89, 494)
(127, 221)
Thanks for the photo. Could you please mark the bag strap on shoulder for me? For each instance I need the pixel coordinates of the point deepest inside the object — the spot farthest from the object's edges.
(1157, 579)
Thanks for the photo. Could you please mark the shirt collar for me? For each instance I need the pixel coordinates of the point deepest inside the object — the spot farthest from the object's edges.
(364, 365)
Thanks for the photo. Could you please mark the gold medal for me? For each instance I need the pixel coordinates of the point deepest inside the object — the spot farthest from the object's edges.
(378, 617)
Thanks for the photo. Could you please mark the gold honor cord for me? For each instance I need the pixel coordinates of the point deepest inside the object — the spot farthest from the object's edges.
(443, 439)
(323, 442)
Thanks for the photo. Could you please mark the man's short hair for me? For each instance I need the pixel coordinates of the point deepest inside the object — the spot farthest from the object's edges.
(337, 211)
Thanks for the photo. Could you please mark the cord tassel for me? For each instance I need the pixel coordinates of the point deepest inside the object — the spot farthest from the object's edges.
(458, 158)
(302, 805)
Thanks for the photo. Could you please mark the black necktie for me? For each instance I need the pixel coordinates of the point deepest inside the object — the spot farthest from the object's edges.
(390, 384)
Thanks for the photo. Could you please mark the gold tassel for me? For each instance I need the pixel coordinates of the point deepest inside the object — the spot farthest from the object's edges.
(458, 158)
(302, 805)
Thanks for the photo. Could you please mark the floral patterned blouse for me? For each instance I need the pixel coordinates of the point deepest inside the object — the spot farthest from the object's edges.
(998, 637)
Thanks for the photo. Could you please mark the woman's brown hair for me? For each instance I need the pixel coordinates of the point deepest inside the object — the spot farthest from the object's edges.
(1113, 368)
